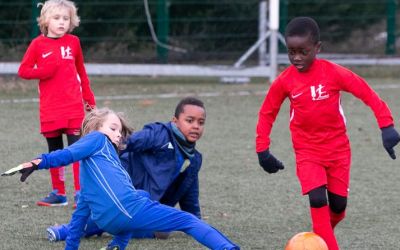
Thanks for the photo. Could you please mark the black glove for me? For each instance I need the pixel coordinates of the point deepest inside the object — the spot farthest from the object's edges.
(27, 171)
(268, 162)
(390, 138)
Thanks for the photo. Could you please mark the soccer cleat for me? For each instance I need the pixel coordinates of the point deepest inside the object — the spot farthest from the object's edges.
(57, 233)
(53, 200)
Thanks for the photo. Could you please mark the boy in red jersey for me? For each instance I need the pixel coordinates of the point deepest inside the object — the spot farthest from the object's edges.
(55, 58)
(318, 125)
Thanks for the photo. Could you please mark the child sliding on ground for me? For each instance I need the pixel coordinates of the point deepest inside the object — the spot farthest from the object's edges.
(107, 193)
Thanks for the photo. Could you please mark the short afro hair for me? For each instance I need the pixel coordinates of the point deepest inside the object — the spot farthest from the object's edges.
(188, 101)
(303, 26)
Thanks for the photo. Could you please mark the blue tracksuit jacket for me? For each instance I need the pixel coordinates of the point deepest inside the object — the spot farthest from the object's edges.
(105, 185)
(108, 196)
(152, 162)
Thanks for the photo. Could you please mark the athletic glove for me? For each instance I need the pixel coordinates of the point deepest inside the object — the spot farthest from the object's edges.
(89, 107)
(268, 162)
(27, 171)
(390, 138)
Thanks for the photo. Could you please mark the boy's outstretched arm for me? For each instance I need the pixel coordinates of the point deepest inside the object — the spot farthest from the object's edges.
(356, 85)
(390, 138)
(268, 162)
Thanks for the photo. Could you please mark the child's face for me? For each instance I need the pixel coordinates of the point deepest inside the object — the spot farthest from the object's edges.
(58, 22)
(302, 51)
(112, 128)
(191, 122)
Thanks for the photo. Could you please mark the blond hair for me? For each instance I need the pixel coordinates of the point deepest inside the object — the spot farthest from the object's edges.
(95, 119)
(49, 7)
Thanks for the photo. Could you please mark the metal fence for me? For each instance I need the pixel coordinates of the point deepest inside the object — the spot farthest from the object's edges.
(201, 31)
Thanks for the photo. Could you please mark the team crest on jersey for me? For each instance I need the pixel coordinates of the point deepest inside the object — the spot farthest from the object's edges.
(66, 53)
(318, 93)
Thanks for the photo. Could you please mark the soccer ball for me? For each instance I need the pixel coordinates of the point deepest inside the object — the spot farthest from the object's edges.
(306, 241)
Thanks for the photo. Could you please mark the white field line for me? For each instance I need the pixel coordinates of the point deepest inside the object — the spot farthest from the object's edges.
(176, 95)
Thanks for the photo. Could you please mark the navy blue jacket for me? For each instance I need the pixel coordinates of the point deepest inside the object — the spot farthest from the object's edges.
(151, 161)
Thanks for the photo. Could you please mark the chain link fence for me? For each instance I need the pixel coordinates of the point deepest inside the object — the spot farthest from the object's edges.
(201, 31)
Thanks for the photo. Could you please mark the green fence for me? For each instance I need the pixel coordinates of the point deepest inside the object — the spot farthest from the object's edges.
(208, 31)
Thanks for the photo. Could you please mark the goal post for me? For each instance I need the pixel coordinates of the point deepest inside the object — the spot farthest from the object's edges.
(268, 28)
(267, 33)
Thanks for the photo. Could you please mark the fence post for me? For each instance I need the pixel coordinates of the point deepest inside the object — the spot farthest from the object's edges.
(34, 15)
(262, 30)
(162, 29)
(391, 6)
(273, 39)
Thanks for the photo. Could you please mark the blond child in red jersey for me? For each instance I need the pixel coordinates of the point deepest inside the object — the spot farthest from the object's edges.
(318, 125)
(55, 58)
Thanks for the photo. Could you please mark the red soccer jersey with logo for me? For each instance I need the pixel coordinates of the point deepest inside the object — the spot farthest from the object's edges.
(63, 82)
(317, 122)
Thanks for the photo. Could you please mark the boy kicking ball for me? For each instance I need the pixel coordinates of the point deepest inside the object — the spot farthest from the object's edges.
(318, 125)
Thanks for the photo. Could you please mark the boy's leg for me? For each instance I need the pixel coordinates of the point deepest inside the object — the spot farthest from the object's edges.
(338, 188)
(120, 240)
(91, 229)
(60, 232)
(75, 172)
(140, 234)
(57, 174)
(320, 217)
(57, 197)
(73, 136)
(77, 225)
(337, 205)
(157, 217)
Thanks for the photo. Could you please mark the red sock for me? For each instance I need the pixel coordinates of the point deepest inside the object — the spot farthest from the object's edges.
(58, 179)
(336, 218)
(322, 226)
(75, 172)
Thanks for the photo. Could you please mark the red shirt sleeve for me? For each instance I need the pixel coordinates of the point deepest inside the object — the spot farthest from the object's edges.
(357, 86)
(87, 92)
(267, 114)
(30, 68)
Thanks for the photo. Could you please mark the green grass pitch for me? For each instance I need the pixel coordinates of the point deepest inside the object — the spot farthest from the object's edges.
(256, 210)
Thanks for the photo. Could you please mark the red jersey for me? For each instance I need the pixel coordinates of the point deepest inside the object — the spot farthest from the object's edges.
(317, 122)
(63, 82)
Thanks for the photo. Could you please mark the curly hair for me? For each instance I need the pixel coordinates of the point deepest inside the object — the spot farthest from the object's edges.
(188, 101)
(48, 9)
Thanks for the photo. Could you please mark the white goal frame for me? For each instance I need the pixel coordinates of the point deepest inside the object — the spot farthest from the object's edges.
(267, 29)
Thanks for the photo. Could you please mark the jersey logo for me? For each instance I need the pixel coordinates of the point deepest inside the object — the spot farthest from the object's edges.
(185, 165)
(44, 55)
(168, 145)
(294, 96)
(66, 53)
(318, 94)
